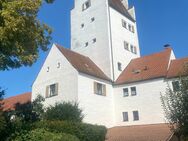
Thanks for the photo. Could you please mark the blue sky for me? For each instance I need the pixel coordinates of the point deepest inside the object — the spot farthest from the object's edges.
(159, 22)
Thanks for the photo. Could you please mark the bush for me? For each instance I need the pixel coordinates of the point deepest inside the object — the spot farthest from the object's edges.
(43, 135)
(64, 111)
(85, 132)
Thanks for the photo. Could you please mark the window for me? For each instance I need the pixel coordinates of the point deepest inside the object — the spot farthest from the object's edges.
(119, 66)
(135, 50)
(99, 89)
(125, 92)
(126, 45)
(132, 48)
(176, 86)
(82, 25)
(94, 40)
(52, 90)
(86, 44)
(133, 29)
(125, 116)
(135, 115)
(58, 65)
(86, 5)
(48, 69)
(133, 91)
(130, 27)
(92, 19)
(124, 23)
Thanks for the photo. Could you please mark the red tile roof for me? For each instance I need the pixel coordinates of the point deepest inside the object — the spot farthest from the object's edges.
(117, 5)
(147, 67)
(82, 63)
(157, 132)
(10, 103)
(177, 68)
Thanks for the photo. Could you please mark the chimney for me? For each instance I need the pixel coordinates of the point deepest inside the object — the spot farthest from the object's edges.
(125, 3)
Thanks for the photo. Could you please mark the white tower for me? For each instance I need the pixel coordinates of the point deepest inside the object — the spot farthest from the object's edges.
(105, 31)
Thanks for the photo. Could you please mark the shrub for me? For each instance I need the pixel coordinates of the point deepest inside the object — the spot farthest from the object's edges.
(64, 111)
(85, 132)
(43, 135)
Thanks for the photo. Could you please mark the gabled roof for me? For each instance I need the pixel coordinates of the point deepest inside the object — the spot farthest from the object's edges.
(117, 5)
(147, 67)
(10, 103)
(82, 63)
(177, 68)
(156, 132)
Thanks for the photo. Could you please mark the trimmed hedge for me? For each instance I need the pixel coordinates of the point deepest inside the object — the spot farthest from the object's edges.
(85, 132)
(43, 135)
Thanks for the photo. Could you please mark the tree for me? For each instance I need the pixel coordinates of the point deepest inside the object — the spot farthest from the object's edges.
(175, 105)
(22, 35)
(64, 111)
(31, 111)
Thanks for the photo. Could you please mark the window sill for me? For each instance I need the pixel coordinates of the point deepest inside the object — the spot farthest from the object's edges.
(52, 96)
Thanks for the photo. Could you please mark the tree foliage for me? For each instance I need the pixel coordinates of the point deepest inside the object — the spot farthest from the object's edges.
(175, 105)
(22, 35)
(64, 111)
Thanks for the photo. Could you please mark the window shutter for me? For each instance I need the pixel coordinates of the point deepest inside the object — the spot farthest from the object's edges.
(104, 90)
(47, 91)
(56, 89)
(95, 87)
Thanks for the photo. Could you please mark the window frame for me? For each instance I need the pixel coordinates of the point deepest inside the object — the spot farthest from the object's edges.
(49, 90)
(98, 86)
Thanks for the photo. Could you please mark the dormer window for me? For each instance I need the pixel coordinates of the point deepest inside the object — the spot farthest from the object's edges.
(86, 5)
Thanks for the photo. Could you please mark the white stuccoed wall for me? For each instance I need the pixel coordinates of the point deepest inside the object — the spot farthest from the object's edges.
(100, 51)
(66, 76)
(119, 35)
(97, 109)
(147, 102)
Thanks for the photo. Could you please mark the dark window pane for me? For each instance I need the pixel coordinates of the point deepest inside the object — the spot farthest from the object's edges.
(135, 115)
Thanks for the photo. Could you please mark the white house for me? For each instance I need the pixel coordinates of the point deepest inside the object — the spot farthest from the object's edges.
(104, 72)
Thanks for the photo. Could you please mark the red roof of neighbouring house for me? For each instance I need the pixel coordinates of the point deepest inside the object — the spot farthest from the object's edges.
(156, 132)
(147, 67)
(83, 63)
(10, 103)
(177, 68)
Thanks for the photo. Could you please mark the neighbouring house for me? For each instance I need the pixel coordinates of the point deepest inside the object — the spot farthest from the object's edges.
(104, 72)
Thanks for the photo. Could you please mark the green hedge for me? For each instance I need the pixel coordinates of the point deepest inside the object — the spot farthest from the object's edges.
(43, 135)
(85, 132)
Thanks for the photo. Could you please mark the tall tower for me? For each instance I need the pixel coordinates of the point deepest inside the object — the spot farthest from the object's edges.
(105, 31)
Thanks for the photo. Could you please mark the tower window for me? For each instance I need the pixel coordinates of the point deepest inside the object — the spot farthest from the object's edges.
(126, 45)
(132, 48)
(119, 66)
(86, 5)
(82, 25)
(94, 40)
(135, 115)
(86, 44)
(125, 116)
(135, 50)
(133, 30)
(130, 27)
(92, 19)
(124, 23)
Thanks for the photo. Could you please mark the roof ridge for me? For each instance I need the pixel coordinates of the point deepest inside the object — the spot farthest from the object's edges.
(17, 95)
(68, 49)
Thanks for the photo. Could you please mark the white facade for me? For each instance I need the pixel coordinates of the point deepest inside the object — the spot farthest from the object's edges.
(104, 24)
